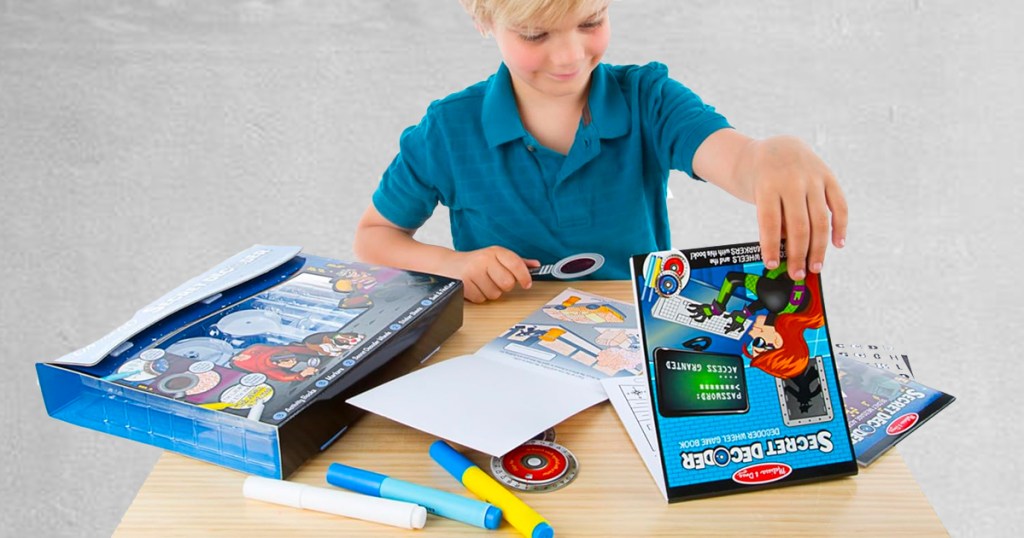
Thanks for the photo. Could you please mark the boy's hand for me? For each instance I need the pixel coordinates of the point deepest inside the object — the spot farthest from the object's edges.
(795, 192)
(485, 273)
(793, 189)
(489, 272)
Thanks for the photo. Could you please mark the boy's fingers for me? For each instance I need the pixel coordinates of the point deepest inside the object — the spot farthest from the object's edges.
(503, 277)
(798, 235)
(524, 277)
(488, 288)
(769, 221)
(837, 204)
(519, 268)
(817, 211)
(472, 292)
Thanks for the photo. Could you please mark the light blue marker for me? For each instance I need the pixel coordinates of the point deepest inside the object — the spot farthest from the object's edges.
(117, 376)
(437, 502)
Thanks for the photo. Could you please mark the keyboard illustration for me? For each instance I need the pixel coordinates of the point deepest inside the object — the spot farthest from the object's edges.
(674, 309)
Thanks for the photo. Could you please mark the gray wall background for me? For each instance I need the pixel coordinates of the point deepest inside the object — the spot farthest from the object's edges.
(142, 142)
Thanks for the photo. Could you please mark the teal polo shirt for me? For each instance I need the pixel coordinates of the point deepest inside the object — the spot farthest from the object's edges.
(471, 153)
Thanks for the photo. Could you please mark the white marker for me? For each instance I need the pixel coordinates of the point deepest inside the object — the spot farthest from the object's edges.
(256, 411)
(331, 501)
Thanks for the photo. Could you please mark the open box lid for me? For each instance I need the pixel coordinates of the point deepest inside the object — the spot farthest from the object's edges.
(244, 266)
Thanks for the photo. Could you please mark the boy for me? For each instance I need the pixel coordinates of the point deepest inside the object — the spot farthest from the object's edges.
(558, 154)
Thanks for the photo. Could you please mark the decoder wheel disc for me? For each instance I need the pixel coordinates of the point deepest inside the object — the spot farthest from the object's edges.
(250, 323)
(178, 384)
(156, 367)
(536, 466)
(203, 348)
(675, 264)
(139, 370)
(667, 284)
(546, 435)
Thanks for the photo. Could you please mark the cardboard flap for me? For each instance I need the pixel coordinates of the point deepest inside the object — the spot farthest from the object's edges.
(248, 264)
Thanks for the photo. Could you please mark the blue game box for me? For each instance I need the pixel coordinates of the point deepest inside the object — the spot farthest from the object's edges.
(249, 365)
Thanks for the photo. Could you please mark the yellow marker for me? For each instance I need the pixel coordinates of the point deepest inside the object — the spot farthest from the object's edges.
(216, 406)
(516, 512)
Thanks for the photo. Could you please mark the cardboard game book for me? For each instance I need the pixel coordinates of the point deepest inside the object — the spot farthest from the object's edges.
(742, 380)
(249, 365)
(883, 357)
(884, 403)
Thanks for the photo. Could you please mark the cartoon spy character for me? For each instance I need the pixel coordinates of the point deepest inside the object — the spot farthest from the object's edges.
(356, 285)
(777, 344)
(278, 362)
(333, 344)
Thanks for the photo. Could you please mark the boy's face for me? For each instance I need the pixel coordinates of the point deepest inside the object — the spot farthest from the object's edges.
(555, 60)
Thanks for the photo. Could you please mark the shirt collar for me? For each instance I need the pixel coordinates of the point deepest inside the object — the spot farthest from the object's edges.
(501, 123)
(608, 111)
(500, 114)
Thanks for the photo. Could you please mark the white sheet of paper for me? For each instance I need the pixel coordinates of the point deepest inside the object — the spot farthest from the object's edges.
(486, 403)
(632, 402)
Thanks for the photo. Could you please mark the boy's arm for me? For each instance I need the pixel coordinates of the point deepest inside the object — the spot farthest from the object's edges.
(794, 192)
(485, 273)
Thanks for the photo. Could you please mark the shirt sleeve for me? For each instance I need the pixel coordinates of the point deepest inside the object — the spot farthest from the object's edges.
(408, 191)
(678, 120)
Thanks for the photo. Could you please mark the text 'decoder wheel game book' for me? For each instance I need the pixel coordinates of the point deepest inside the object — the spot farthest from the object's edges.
(743, 383)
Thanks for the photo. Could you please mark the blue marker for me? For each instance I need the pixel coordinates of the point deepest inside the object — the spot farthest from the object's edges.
(436, 502)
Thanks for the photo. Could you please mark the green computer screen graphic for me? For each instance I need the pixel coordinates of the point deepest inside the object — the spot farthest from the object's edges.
(699, 383)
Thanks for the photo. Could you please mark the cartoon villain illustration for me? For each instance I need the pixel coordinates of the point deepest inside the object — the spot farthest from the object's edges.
(801, 388)
(777, 345)
(362, 286)
(277, 362)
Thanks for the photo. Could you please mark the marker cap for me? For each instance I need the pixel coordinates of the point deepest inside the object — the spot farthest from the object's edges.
(492, 518)
(543, 530)
(358, 480)
(452, 461)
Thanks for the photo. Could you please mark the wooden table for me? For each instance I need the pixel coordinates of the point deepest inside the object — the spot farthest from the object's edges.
(613, 494)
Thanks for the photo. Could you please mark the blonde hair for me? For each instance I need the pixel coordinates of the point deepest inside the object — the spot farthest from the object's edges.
(527, 13)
